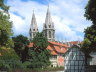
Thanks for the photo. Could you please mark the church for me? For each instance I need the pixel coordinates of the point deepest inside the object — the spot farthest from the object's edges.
(57, 48)
(48, 27)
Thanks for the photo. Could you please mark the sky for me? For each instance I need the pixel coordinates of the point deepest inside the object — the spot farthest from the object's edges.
(67, 15)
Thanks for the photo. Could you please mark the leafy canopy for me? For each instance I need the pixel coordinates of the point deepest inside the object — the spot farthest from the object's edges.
(20, 46)
(90, 12)
(5, 25)
(89, 44)
(40, 42)
(8, 58)
(38, 54)
(38, 59)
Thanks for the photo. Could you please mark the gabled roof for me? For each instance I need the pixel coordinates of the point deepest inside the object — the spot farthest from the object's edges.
(73, 46)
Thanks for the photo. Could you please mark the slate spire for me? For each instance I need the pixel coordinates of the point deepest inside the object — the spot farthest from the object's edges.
(48, 27)
(33, 28)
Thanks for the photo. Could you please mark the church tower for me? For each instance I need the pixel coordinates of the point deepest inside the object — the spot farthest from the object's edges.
(33, 28)
(48, 27)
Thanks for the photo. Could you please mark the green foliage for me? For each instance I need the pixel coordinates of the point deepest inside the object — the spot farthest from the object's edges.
(91, 36)
(40, 42)
(5, 25)
(4, 66)
(85, 47)
(8, 54)
(38, 60)
(20, 42)
(90, 12)
(3, 6)
(20, 46)
(38, 54)
(89, 44)
(8, 58)
(90, 32)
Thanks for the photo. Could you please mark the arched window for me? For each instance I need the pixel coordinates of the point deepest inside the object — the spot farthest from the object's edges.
(33, 29)
(49, 34)
(33, 34)
(49, 26)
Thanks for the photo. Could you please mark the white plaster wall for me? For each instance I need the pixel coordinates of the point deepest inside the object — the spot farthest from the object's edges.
(93, 61)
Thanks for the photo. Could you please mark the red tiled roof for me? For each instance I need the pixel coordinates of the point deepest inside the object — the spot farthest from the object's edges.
(60, 49)
(53, 53)
(59, 44)
(49, 47)
(54, 47)
(74, 42)
(57, 48)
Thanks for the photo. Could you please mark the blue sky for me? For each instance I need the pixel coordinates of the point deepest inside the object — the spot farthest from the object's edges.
(67, 15)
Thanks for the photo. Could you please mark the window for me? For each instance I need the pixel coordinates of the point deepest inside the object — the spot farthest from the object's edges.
(49, 26)
(49, 34)
(33, 34)
(33, 29)
(53, 35)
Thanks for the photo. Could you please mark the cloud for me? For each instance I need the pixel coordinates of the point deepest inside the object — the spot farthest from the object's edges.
(67, 17)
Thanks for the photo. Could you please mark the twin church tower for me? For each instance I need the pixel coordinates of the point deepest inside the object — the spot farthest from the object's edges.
(48, 27)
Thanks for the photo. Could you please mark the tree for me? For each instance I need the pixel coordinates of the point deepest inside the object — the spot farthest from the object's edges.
(5, 25)
(90, 12)
(40, 42)
(89, 43)
(3, 6)
(90, 32)
(20, 46)
(38, 59)
(8, 58)
(38, 54)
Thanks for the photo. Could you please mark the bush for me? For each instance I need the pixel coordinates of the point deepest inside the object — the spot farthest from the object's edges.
(8, 59)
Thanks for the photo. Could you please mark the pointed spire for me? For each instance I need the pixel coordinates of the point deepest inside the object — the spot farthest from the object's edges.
(33, 28)
(33, 10)
(48, 19)
(33, 22)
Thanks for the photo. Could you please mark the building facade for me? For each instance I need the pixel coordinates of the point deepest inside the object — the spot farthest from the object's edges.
(48, 27)
(74, 60)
